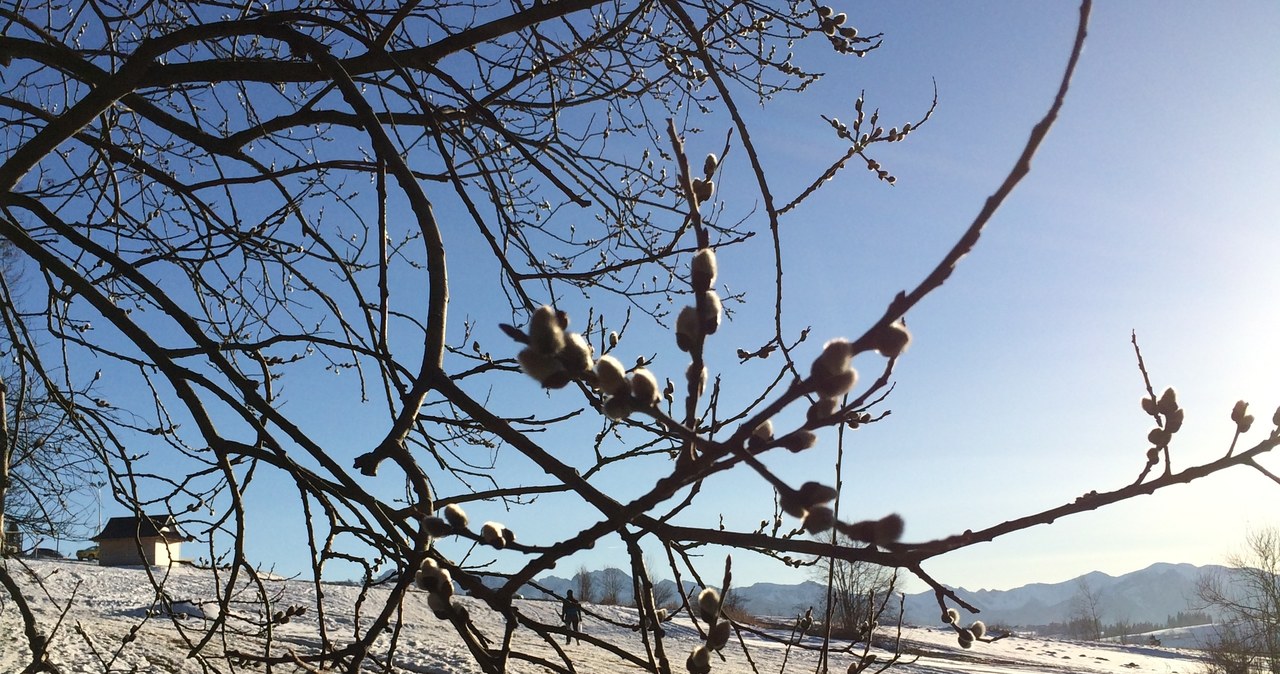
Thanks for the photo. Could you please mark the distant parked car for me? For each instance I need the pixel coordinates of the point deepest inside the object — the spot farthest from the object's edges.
(46, 553)
(89, 553)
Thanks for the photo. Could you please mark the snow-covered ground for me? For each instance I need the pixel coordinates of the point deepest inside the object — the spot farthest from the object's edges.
(111, 604)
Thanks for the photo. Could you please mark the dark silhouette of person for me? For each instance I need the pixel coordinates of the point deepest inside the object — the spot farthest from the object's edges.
(571, 614)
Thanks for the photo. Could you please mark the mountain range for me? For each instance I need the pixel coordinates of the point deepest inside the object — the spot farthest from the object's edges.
(1149, 595)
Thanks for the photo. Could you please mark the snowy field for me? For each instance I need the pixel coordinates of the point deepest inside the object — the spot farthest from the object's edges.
(113, 603)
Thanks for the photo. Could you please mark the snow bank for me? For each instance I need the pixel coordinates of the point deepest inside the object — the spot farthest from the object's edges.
(112, 603)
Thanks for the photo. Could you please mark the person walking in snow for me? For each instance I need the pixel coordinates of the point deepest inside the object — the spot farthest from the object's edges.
(571, 614)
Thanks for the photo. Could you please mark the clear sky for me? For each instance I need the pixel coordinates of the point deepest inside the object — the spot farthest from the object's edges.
(1153, 206)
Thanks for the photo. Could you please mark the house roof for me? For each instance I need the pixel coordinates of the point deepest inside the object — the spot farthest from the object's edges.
(149, 526)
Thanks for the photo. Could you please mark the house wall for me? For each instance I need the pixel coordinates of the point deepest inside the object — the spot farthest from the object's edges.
(162, 554)
(124, 552)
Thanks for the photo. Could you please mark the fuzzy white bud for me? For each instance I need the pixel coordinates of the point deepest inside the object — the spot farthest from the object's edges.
(709, 164)
(439, 604)
(492, 534)
(763, 432)
(822, 410)
(704, 268)
(576, 354)
(545, 333)
(709, 604)
(697, 376)
(819, 519)
(814, 493)
(456, 516)
(792, 504)
(978, 628)
(618, 407)
(436, 527)
(835, 359)
(543, 367)
(610, 375)
(688, 328)
(838, 384)
(434, 579)
(798, 441)
(444, 583)
(888, 529)
(703, 189)
(427, 573)
(893, 340)
(718, 635)
(699, 661)
(709, 310)
(644, 387)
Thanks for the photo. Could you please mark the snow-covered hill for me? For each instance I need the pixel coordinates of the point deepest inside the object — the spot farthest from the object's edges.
(1149, 595)
(112, 603)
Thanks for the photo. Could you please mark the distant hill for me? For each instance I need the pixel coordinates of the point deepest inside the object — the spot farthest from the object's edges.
(1149, 595)
(771, 599)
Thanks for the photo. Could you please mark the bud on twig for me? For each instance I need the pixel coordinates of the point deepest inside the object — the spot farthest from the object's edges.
(709, 310)
(688, 328)
(821, 410)
(439, 605)
(576, 354)
(436, 527)
(762, 433)
(892, 340)
(545, 332)
(813, 493)
(697, 376)
(1239, 415)
(889, 529)
(644, 388)
(709, 165)
(456, 516)
(495, 535)
(618, 407)
(819, 519)
(709, 604)
(703, 189)
(699, 661)
(798, 441)
(831, 372)
(718, 635)
(611, 376)
(837, 385)
(704, 268)
(543, 367)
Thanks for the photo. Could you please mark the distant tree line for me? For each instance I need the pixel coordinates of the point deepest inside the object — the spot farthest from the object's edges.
(1124, 628)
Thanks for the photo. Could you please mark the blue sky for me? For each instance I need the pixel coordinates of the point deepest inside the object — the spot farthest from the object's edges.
(1151, 207)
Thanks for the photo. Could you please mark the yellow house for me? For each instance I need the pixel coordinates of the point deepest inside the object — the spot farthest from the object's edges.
(133, 541)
